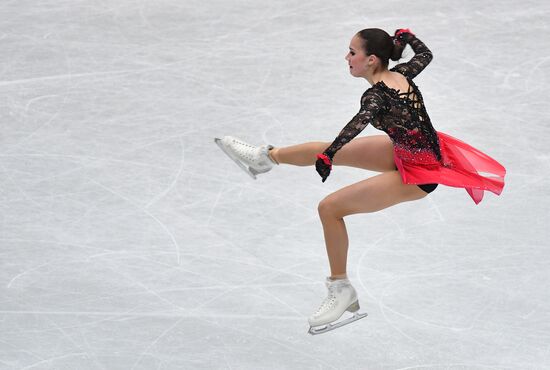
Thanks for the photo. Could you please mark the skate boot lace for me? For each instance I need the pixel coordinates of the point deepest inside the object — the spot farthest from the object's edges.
(329, 301)
(245, 152)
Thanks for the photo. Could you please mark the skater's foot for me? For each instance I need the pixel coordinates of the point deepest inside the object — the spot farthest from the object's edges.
(252, 159)
(341, 297)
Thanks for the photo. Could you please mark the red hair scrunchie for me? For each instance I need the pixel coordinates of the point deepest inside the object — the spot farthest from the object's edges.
(401, 31)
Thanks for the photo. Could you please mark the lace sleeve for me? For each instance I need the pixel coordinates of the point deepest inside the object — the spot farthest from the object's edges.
(422, 57)
(371, 103)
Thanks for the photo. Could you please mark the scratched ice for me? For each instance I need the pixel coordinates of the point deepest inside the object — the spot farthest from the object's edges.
(129, 241)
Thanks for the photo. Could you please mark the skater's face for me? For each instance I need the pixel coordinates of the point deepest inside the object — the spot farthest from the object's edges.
(359, 63)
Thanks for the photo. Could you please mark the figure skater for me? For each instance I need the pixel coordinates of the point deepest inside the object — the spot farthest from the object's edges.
(413, 158)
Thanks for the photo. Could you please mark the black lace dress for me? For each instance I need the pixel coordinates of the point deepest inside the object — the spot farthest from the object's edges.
(422, 155)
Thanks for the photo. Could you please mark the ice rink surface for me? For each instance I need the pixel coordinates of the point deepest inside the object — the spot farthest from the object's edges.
(129, 241)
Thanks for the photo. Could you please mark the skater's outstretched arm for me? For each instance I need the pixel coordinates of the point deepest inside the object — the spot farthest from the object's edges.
(372, 102)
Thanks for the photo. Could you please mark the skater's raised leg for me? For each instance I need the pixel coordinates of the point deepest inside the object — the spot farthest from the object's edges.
(298, 155)
(373, 153)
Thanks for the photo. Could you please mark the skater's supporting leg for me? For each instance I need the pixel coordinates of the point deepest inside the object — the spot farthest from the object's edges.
(373, 153)
(371, 195)
(336, 241)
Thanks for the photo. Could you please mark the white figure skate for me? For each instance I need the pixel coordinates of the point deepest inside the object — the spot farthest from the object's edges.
(341, 298)
(252, 159)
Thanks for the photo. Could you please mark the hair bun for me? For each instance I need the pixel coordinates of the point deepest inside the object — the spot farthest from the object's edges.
(381, 44)
(398, 47)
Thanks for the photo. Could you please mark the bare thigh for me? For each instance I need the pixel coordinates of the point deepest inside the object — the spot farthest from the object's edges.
(370, 195)
(374, 153)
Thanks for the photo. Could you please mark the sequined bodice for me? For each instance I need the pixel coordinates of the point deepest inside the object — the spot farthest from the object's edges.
(402, 116)
(407, 123)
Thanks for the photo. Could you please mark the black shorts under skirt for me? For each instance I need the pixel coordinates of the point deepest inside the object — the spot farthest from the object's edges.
(427, 188)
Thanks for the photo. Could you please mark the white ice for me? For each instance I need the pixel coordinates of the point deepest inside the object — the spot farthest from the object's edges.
(129, 241)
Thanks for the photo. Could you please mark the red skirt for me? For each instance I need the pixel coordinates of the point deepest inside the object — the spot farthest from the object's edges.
(461, 166)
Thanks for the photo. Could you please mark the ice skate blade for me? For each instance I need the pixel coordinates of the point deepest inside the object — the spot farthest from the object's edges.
(235, 159)
(314, 330)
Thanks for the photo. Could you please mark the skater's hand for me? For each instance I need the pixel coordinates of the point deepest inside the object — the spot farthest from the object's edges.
(323, 165)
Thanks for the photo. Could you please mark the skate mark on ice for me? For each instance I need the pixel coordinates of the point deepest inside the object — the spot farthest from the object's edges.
(233, 288)
(25, 272)
(160, 223)
(453, 364)
(60, 260)
(33, 100)
(20, 348)
(435, 207)
(376, 299)
(282, 198)
(42, 362)
(280, 301)
(385, 307)
(116, 270)
(71, 76)
(70, 339)
(216, 201)
(154, 342)
(18, 188)
(94, 161)
(25, 139)
(163, 193)
(264, 267)
(238, 286)
(539, 61)
(127, 315)
(281, 343)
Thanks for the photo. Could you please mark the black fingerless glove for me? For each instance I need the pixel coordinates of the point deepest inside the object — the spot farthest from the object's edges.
(323, 166)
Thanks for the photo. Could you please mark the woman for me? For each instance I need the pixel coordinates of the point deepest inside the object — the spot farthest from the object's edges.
(412, 158)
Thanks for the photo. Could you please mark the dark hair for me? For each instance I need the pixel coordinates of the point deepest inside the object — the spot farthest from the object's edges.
(380, 43)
